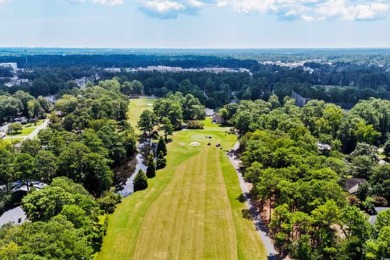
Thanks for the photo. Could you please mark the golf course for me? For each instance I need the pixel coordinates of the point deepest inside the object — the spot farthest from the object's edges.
(191, 208)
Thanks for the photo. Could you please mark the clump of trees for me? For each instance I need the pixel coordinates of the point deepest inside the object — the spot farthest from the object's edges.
(64, 218)
(298, 159)
(84, 146)
(22, 104)
(175, 108)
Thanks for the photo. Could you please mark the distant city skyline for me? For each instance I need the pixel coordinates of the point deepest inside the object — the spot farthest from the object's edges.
(197, 24)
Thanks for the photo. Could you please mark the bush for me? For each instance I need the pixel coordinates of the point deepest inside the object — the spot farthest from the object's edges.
(194, 124)
(109, 200)
(15, 128)
(140, 181)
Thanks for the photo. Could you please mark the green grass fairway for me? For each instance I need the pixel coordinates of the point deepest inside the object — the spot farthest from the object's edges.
(190, 209)
(136, 107)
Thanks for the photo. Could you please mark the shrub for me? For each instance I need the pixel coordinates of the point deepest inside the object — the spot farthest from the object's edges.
(140, 181)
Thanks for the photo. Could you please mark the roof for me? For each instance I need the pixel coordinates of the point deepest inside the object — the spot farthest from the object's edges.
(209, 111)
(352, 184)
(15, 216)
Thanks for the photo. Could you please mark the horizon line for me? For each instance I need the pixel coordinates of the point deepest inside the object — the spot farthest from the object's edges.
(195, 48)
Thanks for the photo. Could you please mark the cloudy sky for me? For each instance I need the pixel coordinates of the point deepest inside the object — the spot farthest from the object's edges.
(195, 23)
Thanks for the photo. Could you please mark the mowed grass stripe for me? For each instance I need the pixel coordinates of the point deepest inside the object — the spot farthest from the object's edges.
(172, 216)
(249, 244)
(220, 238)
(189, 211)
(126, 222)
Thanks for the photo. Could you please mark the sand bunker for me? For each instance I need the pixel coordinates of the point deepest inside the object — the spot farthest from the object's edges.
(194, 144)
(149, 104)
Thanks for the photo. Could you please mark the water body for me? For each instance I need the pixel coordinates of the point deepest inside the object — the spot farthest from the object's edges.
(128, 187)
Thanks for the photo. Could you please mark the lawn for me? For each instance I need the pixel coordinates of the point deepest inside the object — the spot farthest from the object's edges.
(136, 107)
(190, 209)
(27, 129)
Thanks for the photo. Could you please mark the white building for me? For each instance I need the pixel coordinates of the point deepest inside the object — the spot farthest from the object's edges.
(14, 216)
(12, 65)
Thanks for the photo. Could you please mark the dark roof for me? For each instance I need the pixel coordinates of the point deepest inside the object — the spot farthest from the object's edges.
(351, 182)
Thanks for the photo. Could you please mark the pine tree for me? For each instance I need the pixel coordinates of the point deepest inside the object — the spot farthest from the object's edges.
(161, 146)
(161, 161)
(140, 181)
(151, 171)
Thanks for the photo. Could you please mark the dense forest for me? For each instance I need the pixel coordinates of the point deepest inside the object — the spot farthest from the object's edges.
(321, 76)
(88, 136)
(299, 160)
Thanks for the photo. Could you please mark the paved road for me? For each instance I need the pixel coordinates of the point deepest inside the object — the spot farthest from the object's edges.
(260, 226)
(36, 131)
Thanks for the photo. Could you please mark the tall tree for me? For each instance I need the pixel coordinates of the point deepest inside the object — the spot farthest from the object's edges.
(6, 167)
(24, 168)
(151, 170)
(147, 121)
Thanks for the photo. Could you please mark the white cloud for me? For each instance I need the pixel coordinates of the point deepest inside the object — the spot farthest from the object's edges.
(99, 2)
(311, 10)
(306, 10)
(172, 8)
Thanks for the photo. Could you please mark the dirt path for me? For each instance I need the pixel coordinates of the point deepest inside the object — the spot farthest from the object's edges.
(260, 226)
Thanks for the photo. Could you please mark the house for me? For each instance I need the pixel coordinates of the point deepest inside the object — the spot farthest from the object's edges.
(22, 120)
(218, 119)
(209, 111)
(323, 147)
(112, 70)
(15, 216)
(352, 184)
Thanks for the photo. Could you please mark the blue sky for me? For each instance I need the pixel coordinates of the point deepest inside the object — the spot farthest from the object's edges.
(195, 23)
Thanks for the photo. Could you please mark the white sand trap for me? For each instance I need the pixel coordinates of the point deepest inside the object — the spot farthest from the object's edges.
(194, 144)
(149, 104)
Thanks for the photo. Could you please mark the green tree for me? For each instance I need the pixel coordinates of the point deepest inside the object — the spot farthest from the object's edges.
(58, 239)
(140, 181)
(147, 121)
(6, 167)
(34, 109)
(161, 162)
(356, 229)
(31, 146)
(274, 101)
(161, 146)
(24, 97)
(46, 165)
(151, 170)
(108, 200)
(10, 107)
(71, 161)
(15, 128)
(24, 168)
(97, 177)
(167, 127)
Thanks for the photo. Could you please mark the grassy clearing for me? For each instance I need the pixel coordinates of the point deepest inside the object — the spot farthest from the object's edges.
(136, 107)
(27, 129)
(189, 211)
